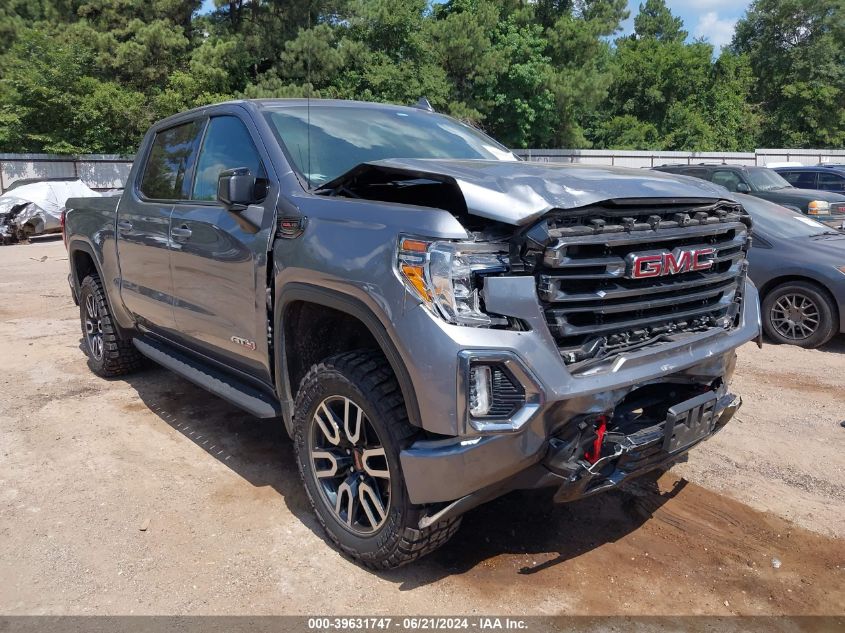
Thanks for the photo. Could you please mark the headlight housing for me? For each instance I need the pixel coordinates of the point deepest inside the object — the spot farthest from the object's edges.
(447, 277)
(818, 207)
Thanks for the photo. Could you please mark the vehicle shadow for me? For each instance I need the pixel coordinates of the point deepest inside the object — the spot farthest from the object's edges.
(521, 523)
(528, 524)
(258, 450)
(836, 345)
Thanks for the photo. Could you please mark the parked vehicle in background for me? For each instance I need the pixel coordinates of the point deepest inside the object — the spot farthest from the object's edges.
(761, 182)
(436, 322)
(798, 265)
(827, 178)
(35, 206)
(786, 163)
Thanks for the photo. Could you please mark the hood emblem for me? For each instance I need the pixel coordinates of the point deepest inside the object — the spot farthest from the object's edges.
(662, 263)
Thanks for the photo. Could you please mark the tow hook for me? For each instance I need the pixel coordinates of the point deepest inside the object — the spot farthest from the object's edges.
(592, 456)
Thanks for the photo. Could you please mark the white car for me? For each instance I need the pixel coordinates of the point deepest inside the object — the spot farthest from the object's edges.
(30, 207)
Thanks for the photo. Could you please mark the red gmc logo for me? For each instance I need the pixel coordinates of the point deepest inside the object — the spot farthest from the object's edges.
(675, 262)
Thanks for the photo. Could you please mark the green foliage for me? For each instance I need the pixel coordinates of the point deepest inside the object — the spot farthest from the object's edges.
(91, 75)
(797, 53)
(671, 95)
(54, 104)
(655, 21)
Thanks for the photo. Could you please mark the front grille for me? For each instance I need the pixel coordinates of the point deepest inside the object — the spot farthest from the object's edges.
(837, 208)
(593, 306)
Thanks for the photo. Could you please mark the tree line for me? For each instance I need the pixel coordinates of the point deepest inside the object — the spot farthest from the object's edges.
(89, 76)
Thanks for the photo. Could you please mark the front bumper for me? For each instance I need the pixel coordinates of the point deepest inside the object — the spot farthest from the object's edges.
(474, 465)
(629, 456)
(624, 457)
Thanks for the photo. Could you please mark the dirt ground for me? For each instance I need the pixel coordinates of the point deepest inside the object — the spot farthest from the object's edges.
(148, 496)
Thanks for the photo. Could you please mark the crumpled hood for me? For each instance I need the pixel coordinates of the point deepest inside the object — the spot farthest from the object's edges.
(519, 192)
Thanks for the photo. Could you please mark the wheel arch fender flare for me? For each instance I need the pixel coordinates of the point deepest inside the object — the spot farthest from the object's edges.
(77, 245)
(355, 308)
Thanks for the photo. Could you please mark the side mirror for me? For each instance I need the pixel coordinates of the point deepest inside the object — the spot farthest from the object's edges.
(743, 188)
(238, 188)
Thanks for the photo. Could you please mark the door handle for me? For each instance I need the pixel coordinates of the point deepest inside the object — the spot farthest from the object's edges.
(180, 232)
(123, 226)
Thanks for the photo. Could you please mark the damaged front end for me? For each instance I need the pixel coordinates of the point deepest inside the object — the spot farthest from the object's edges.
(13, 230)
(606, 305)
(651, 429)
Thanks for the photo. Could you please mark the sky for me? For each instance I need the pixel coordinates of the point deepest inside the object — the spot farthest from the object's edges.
(713, 20)
(710, 19)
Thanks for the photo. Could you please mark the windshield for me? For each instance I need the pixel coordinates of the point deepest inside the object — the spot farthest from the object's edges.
(342, 137)
(774, 220)
(763, 179)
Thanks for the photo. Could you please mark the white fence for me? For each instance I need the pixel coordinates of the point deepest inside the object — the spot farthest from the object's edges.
(98, 171)
(103, 171)
(653, 159)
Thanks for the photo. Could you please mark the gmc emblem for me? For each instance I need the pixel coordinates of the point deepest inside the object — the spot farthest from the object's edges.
(680, 260)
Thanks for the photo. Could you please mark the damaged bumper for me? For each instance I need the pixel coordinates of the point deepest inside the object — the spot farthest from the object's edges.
(620, 456)
(626, 456)
(475, 465)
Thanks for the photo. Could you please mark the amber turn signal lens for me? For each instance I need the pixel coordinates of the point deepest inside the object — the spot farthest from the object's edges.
(416, 277)
(412, 245)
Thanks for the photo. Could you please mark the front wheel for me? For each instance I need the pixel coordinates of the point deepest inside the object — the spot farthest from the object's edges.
(350, 425)
(799, 313)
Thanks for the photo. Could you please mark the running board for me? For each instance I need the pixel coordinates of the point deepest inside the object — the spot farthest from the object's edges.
(240, 394)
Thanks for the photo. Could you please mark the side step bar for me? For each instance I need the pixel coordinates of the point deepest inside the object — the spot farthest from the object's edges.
(240, 394)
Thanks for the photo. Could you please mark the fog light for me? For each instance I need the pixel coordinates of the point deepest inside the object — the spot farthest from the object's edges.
(479, 390)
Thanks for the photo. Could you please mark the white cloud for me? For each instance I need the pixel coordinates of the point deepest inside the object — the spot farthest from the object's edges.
(718, 31)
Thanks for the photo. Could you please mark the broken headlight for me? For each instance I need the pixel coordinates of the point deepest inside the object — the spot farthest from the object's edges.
(447, 277)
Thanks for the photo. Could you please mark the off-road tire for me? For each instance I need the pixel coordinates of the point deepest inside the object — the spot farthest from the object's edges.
(118, 356)
(827, 313)
(366, 378)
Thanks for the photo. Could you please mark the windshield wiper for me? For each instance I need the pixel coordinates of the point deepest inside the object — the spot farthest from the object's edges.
(823, 233)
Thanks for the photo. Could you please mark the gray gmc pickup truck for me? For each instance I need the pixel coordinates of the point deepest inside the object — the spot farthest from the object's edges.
(435, 322)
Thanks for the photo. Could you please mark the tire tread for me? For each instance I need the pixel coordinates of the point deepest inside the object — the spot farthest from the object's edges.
(370, 371)
(119, 354)
(828, 327)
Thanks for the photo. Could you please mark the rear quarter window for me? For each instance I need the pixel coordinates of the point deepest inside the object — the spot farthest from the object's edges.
(170, 162)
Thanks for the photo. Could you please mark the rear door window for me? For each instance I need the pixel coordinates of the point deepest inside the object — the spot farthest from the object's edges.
(167, 174)
(227, 145)
(801, 179)
(831, 182)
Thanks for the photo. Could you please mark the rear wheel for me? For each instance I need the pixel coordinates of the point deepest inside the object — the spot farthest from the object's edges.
(109, 354)
(350, 425)
(799, 313)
